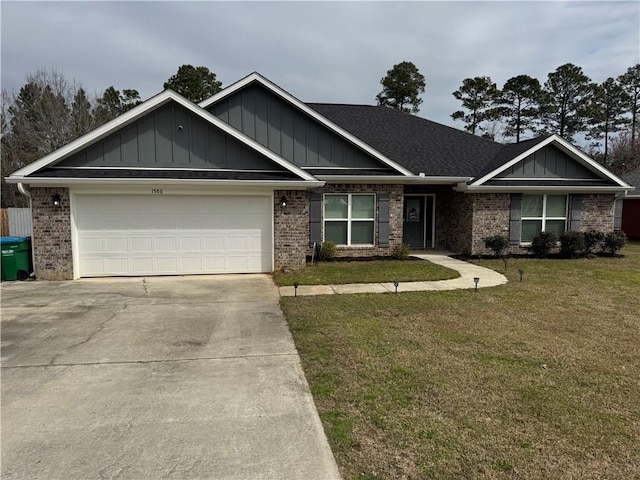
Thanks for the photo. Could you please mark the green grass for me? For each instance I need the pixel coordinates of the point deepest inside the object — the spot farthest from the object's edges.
(338, 273)
(532, 380)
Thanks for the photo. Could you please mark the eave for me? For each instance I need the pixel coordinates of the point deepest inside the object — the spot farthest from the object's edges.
(63, 182)
(466, 188)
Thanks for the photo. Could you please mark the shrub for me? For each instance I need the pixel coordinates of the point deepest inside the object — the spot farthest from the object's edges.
(497, 243)
(592, 240)
(401, 251)
(328, 251)
(571, 243)
(542, 243)
(613, 242)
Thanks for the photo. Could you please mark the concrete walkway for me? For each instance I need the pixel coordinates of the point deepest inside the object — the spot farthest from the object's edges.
(488, 278)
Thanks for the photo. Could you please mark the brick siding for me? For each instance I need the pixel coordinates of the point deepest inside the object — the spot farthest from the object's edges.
(51, 234)
(291, 224)
(598, 212)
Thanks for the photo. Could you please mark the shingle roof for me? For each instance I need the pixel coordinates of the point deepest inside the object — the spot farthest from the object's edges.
(416, 143)
(163, 174)
(633, 178)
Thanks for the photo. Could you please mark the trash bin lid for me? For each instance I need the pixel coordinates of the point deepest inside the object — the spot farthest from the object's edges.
(4, 240)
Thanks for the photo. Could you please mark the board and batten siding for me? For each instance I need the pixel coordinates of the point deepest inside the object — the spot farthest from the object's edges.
(170, 136)
(287, 131)
(548, 162)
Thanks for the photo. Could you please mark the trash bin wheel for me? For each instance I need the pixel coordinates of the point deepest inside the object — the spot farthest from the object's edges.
(22, 275)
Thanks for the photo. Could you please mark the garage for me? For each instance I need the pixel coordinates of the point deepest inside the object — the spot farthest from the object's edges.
(130, 235)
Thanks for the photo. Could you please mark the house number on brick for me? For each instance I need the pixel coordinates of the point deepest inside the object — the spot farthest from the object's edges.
(156, 191)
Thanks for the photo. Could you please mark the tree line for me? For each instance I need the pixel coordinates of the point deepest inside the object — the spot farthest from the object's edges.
(568, 104)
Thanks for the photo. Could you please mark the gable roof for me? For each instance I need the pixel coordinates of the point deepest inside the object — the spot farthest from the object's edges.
(27, 173)
(337, 129)
(421, 145)
(512, 154)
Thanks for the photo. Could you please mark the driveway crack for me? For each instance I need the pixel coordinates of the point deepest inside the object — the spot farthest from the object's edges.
(101, 326)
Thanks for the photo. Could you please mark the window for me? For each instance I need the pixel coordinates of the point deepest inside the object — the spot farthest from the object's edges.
(543, 213)
(349, 219)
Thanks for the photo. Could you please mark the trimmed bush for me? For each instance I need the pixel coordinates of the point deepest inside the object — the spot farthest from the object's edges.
(328, 251)
(401, 251)
(497, 243)
(613, 242)
(592, 240)
(571, 244)
(542, 243)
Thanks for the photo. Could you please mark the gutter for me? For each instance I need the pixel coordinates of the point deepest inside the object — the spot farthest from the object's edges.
(392, 179)
(465, 188)
(63, 182)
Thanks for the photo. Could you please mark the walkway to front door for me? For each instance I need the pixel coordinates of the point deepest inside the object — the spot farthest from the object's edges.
(418, 222)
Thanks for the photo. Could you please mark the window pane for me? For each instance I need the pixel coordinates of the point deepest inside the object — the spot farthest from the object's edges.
(532, 205)
(361, 233)
(556, 205)
(336, 206)
(335, 232)
(363, 206)
(529, 229)
(555, 226)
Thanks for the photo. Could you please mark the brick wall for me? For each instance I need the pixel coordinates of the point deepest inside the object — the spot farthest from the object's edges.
(597, 212)
(291, 224)
(291, 229)
(490, 217)
(51, 234)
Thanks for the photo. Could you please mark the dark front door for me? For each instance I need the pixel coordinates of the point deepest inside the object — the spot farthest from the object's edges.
(418, 221)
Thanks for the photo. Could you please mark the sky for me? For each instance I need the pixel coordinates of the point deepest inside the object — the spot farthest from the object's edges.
(330, 52)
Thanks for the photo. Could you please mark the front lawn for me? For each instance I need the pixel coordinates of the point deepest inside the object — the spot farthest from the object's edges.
(375, 271)
(535, 380)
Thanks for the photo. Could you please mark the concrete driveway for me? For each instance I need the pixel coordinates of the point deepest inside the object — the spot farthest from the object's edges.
(162, 377)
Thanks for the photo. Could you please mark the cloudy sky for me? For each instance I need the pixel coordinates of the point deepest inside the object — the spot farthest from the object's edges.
(318, 51)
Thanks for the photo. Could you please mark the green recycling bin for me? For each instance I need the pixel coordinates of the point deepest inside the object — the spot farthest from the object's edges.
(16, 258)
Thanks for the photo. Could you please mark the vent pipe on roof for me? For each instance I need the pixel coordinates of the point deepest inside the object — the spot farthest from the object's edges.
(421, 174)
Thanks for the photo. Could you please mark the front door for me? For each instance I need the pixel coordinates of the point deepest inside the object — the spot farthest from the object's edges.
(417, 229)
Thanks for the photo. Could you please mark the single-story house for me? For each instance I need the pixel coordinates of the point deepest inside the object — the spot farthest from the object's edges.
(251, 178)
(631, 206)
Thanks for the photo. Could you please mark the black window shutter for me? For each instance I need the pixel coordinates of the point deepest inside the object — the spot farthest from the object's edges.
(383, 219)
(515, 219)
(315, 217)
(576, 212)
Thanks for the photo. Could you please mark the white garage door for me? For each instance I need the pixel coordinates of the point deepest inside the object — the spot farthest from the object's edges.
(172, 234)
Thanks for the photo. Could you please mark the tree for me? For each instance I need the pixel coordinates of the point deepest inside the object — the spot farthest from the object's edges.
(606, 112)
(624, 153)
(478, 96)
(568, 92)
(82, 119)
(402, 87)
(113, 103)
(630, 82)
(520, 104)
(36, 120)
(195, 83)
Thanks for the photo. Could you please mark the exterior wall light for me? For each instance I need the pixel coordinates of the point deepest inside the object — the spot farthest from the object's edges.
(283, 201)
(476, 280)
(55, 200)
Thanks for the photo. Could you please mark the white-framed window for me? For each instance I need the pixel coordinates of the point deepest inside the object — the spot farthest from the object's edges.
(543, 213)
(349, 218)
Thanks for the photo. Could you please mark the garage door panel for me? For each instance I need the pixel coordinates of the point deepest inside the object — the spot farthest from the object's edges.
(144, 235)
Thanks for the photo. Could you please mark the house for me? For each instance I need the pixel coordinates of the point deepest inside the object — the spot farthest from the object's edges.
(631, 206)
(249, 179)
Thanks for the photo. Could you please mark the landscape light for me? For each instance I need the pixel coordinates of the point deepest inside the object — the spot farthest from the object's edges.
(476, 280)
(295, 289)
(521, 272)
(395, 284)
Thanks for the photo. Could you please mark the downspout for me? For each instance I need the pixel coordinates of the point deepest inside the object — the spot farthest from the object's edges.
(23, 190)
